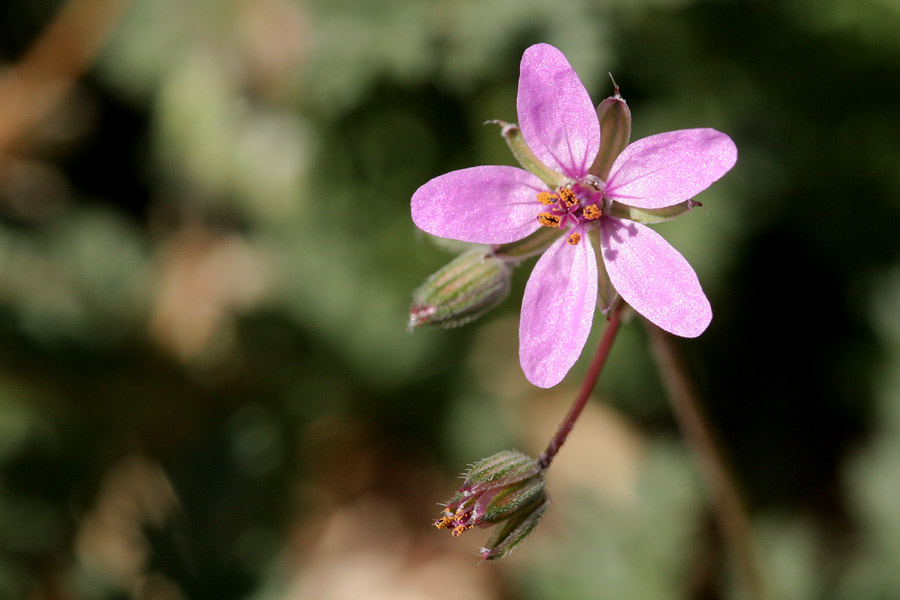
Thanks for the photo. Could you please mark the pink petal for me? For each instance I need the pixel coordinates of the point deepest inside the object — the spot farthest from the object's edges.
(556, 115)
(654, 278)
(665, 169)
(484, 205)
(557, 311)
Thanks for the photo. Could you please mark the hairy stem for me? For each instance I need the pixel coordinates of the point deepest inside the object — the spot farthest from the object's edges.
(587, 386)
(728, 508)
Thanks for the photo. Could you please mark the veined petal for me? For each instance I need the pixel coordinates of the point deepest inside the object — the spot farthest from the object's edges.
(556, 116)
(665, 169)
(557, 311)
(484, 205)
(654, 278)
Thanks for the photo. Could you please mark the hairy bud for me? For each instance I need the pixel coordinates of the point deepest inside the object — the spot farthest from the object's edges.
(507, 490)
(475, 282)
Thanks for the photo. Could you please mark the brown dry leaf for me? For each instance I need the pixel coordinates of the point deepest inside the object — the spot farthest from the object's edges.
(136, 492)
(205, 278)
(274, 38)
(34, 86)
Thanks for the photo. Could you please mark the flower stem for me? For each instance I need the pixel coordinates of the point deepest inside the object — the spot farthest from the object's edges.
(587, 386)
(728, 508)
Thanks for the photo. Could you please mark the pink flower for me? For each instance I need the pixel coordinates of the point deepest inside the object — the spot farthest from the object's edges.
(500, 204)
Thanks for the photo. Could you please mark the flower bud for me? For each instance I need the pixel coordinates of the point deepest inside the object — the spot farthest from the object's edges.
(615, 133)
(506, 489)
(472, 284)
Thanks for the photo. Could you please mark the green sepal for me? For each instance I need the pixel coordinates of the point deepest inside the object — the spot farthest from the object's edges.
(651, 215)
(615, 133)
(512, 533)
(513, 499)
(529, 246)
(501, 468)
(531, 163)
(606, 293)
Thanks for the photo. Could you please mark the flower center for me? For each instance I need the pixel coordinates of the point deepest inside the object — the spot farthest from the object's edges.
(457, 521)
(568, 206)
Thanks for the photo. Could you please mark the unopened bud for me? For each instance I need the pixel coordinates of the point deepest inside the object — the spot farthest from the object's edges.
(615, 133)
(506, 489)
(475, 282)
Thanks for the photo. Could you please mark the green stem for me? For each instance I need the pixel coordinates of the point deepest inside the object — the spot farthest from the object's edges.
(729, 510)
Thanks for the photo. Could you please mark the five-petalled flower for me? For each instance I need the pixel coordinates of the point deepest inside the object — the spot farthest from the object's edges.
(502, 204)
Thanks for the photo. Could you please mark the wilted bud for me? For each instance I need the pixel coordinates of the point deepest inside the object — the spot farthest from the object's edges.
(506, 489)
(475, 282)
(615, 133)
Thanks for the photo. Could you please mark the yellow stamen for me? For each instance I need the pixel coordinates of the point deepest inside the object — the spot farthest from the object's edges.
(568, 196)
(547, 198)
(456, 522)
(592, 212)
(574, 239)
(548, 219)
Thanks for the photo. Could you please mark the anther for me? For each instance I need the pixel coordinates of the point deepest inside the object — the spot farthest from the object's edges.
(457, 531)
(546, 197)
(568, 197)
(548, 219)
(591, 212)
(574, 239)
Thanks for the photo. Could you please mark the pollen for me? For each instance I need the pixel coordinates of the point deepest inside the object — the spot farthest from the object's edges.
(456, 522)
(568, 197)
(574, 239)
(547, 198)
(592, 212)
(548, 219)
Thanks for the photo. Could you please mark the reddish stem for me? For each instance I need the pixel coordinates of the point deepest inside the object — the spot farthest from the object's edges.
(587, 386)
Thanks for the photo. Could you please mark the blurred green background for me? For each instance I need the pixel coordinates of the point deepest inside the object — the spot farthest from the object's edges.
(207, 389)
